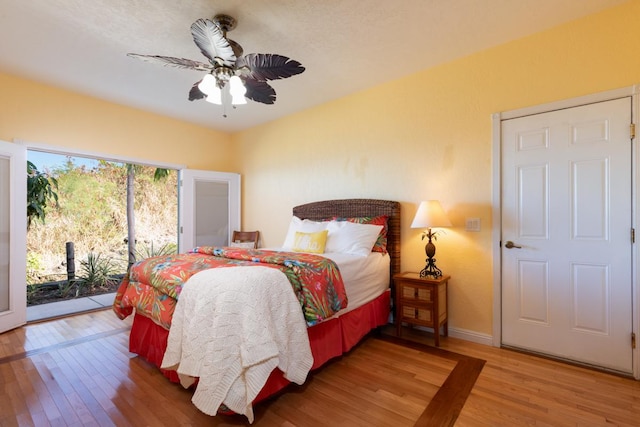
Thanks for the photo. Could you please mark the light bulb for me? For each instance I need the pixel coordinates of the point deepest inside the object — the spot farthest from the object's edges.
(237, 91)
(238, 100)
(207, 85)
(215, 96)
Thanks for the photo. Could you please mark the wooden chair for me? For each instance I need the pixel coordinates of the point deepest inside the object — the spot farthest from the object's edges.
(244, 238)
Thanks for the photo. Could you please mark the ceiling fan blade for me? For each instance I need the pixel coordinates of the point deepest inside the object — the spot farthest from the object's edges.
(212, 43)
(269, 66)
(259, 91)
(237, 49)
(173, 62)
(195, 93)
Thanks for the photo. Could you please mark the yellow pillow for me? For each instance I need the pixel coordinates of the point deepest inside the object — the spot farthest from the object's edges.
(310, 242)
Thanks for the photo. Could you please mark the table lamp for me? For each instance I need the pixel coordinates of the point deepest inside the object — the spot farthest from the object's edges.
(430, 215)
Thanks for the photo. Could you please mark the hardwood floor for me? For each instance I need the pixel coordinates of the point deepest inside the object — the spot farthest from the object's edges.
(77, 371)
(526, 390)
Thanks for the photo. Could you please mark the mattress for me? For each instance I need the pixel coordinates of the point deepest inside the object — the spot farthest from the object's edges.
(365, 278)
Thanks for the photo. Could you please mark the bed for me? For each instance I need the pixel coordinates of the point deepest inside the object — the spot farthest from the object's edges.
(328, 337)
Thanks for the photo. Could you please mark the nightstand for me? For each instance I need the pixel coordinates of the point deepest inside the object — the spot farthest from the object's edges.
(421, 301)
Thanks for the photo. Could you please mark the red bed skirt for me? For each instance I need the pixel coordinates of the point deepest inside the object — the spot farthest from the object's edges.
(328, 339)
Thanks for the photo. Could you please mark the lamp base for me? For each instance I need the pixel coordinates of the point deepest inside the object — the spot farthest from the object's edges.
(430, 269)
(430, 249)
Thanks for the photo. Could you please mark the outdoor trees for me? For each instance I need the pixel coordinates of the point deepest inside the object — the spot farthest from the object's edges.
(91, 206)
(41, 190)
(158, 175)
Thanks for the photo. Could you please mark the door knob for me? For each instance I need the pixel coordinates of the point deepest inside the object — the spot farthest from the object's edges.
(510, 245)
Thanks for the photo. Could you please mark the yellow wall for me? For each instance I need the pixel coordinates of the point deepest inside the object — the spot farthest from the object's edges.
(429, 136)
(39, 113)
(421, 137)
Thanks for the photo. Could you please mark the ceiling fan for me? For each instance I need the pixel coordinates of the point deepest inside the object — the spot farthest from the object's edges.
(246, 75)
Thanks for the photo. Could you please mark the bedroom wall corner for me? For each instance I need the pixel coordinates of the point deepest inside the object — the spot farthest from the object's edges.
(429, 135)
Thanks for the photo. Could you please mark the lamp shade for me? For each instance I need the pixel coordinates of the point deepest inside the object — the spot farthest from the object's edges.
(430, 214)
(207, 84)
(236, 87)
(237, 91)
(215, 96)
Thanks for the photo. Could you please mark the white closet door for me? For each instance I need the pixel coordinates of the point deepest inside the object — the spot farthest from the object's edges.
(566, 234)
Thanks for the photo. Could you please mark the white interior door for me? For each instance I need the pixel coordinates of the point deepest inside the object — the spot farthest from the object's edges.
(567, 208)
(209, 208)
(13, 235)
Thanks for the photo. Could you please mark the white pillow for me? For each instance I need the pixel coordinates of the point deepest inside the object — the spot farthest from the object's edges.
(303, 226)
(352, 238)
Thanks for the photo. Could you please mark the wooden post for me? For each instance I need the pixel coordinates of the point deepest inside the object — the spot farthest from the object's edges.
(71, 262)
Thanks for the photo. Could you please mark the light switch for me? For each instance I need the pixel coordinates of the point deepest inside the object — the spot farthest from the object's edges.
(472, 224)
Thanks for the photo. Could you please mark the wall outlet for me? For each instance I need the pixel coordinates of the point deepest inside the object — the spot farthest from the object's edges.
(472, 224)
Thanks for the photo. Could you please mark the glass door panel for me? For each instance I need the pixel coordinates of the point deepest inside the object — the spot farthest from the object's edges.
(211, 213)
(209, 208)
(13, 235)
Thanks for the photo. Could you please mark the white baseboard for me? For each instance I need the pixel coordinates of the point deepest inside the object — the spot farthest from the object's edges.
(472, 336)
(464, 334)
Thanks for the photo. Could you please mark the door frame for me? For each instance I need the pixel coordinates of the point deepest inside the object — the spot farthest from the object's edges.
(16, 313)
(186, 197)
(496, 199)
(77, 152)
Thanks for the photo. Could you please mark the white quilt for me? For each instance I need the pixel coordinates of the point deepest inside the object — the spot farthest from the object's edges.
(231, 327)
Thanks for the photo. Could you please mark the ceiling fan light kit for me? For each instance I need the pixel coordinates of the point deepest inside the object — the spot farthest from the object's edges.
(246, 75)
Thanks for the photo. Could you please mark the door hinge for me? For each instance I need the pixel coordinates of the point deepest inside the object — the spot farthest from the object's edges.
(633, 235)
(633, 340)
(632, 130)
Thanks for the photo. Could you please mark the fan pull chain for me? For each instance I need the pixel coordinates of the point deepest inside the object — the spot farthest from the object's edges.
(225, 98)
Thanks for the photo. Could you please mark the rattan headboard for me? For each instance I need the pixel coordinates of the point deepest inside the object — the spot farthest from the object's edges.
(357, 208)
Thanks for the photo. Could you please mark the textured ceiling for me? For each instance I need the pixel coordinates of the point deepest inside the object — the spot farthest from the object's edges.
(345, 45)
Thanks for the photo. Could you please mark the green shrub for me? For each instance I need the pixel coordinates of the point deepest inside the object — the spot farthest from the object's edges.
(34, 268)
(96, 271)
(32, 290)
(144, 251)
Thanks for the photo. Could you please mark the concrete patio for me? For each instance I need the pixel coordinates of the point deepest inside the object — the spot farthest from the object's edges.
(40, 312)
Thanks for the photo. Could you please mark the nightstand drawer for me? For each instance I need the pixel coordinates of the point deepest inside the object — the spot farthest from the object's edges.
(416, 293)
(422, 314)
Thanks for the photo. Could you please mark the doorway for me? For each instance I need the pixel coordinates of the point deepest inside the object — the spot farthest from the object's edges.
(78, 246)
(566, 258)
(13, 157)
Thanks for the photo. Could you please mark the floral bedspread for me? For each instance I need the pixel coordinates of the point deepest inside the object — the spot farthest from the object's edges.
(153, 285)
